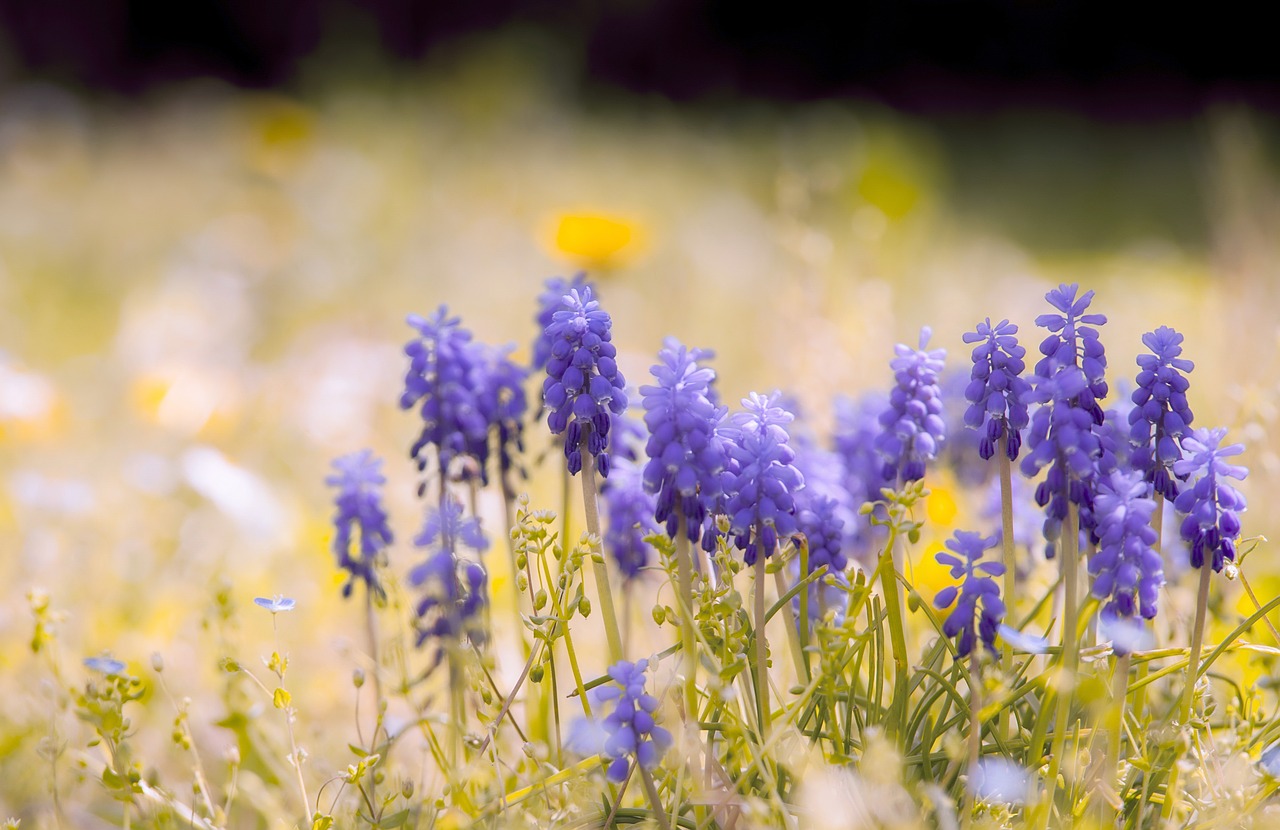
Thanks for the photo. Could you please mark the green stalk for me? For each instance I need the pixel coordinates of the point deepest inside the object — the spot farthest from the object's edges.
(762, 645)
(1004, 723)
(975, 733)
(1070, 652)
(893, 600)
(371, 626)
(1193, 674)
(589, 500)
(688, 639)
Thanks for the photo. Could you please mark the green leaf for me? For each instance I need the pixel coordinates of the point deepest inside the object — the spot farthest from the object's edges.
(394, 820)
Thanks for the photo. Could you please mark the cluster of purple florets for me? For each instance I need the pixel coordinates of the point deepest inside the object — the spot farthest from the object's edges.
(453, 586)
(978, 608)
(629, 517)
(360, 514)
(1127, 570)
(997, 393)
(761, 480)
(466, 390)
(912, 427)
(685, 448)
(584, 388)
(1211, 505)
(1161, 415)
(631, 730)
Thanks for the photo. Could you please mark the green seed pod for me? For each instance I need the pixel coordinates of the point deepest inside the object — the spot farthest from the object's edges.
(584, 607)
(535, 674)
(659, 614)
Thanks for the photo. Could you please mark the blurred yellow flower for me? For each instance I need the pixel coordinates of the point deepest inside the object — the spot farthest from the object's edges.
(595, 240)
(941, 505)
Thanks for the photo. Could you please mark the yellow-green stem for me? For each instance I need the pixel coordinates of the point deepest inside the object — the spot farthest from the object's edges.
(762, 645)
(897, 631)
(1004, 723)
(1070, 663)
(688, 639)
(975, 735)
(592, 509)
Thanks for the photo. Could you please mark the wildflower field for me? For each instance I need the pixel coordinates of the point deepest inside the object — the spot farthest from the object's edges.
(444, 455)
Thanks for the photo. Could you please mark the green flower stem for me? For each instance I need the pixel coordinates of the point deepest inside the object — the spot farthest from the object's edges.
(371, 628)
(1189, 689)
(589, 500)
(762, 644)
(1070, 661)
(655, 802)
(1115, 725)
(804, 607)
(888, 570)
(1004, 723)
(793, 628)
(975, 732)
(684, 597)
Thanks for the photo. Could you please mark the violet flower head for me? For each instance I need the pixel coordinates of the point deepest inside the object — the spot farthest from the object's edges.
(1062, 438)
(856, 428)
(819, 520)
(686, 453)
(631, 728)
(1161, 415)
(502, 402)
(455, 588)
(442, 374)
(912, 428)
(997, 393)
(1126, 569)
(1212, 506)
(1073, 341)
(629, 518)
(583, 387)
(550, 301)
(978, 608)
(360, 514)
(761, 480)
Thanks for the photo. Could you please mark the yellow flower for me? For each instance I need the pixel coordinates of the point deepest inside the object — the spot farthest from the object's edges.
(595, 240)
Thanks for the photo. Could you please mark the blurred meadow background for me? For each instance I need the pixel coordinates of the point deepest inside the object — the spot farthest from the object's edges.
(203, 286)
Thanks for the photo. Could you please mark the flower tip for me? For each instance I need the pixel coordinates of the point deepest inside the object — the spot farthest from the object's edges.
(276, 604)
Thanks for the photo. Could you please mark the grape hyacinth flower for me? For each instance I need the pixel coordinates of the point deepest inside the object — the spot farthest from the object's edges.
(761, 481)
(818, 518)
(455, 587)
(1211, 505)
(550, 301)
(502, 402)
(1062, 438)
(1126, 569)
(997, 393)
(979, 610)
(443, 375)
(359, 481)
(629, 518)
(631, 728)
(857, 425)
(583, 386)
(912, 428)
(1161, 415)
(686, 453)
(1073, 341)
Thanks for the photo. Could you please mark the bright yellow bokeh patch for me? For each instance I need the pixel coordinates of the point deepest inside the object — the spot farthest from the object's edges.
(594, 239)
(941, 506)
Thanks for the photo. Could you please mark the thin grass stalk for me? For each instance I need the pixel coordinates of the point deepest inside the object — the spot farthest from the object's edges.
(603, 590)
(762, 644)
(1004, 723)
(1070, 661)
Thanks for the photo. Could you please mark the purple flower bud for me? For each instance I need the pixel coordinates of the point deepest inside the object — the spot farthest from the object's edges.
(1210, 504)
(997, 393)
(1161, 415)
(359, 481)
(912, 427)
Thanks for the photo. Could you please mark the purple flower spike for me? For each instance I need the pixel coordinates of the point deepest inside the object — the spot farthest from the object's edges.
(761, 480)
(979, 609)
(1073, 341)
(443, 374)
(912, 428)
(1127, 572)
(631, 729)
(550, 301)
(629, 518)
(502, 401)
(997, 393)
(584, 388)
(1212, 506)
(359, 481)
(686, 453)
(1161, 415)
(455, 588)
